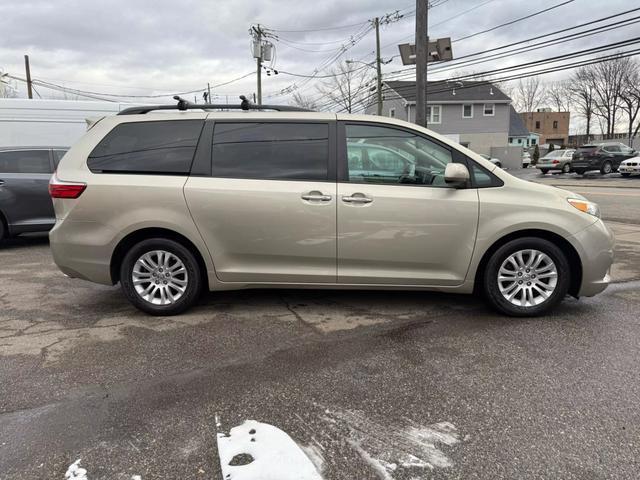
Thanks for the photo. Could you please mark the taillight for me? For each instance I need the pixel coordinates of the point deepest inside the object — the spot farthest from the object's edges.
(555, 162)
(60, 189)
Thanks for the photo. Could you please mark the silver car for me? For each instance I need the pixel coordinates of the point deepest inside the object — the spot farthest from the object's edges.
(170, 205)
(556, 160)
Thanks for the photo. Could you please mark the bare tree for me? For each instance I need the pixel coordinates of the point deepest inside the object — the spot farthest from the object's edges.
(608, 81)
(304, 101)
(557, 94)
(582, 93)
(347, 88)
(630, 100)
(7, 89)
(529, 94)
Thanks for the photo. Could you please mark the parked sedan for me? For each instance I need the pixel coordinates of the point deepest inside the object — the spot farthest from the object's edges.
(605, 157)
(630, 167)
(556, 160)
(25, 204)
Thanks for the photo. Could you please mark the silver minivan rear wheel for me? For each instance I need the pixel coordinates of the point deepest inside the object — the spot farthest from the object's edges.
(161, 276)
(526, 277)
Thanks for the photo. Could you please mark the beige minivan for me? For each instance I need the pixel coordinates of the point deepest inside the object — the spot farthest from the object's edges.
(172, 203)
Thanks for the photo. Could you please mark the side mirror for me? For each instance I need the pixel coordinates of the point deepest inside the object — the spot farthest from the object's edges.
(456, 175)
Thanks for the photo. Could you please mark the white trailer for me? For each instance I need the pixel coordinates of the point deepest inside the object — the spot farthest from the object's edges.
(25, 122)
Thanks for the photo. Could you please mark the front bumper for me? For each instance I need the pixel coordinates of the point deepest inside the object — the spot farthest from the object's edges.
(595, 245)
(628, 169)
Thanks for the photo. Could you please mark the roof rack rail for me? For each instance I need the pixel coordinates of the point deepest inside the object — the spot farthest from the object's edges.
(184, 105)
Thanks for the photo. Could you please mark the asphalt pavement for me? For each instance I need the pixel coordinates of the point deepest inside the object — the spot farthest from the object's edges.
(372, 385)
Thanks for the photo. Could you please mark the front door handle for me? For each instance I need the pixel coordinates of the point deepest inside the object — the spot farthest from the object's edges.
(316, 196)
(357, 198)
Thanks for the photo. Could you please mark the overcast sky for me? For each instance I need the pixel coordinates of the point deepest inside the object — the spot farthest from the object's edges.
(146, 47)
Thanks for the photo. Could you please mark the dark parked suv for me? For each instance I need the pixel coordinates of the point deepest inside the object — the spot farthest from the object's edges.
(25, 204)
(605, 157)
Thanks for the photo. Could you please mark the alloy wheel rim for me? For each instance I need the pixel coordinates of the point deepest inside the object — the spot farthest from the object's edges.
(160, 277)
(527, 278)
(607, 168)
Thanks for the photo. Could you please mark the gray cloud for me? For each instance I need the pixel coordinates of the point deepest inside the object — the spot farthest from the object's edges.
(151, 46)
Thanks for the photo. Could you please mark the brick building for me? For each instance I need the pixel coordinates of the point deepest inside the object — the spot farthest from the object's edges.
(553, 127)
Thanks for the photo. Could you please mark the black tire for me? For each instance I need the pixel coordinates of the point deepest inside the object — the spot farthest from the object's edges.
(2, 229)
(580, 171)
(544, 171)
(193, 276)
(566, 168)
(606, 168)
(492, 289)
(498, 164)
(623, 174)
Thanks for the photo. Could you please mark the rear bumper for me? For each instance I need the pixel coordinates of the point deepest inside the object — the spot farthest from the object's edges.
(550, 166)
(595, 245)
(78, 251)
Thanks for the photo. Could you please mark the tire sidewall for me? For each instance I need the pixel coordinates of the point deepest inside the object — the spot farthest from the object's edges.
(194, 274)
(490, 282)
(566, 168)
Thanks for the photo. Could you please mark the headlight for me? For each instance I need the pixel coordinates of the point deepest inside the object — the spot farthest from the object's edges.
(585, 206)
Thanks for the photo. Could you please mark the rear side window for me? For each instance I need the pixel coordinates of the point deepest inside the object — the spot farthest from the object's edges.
(57, 156)
(25, 161)
(155, 147)
(276, 151)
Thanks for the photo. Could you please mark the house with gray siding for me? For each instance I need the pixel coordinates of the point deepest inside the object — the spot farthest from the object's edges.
(474, 114)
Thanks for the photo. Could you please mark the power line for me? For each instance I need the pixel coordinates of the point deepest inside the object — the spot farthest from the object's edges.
(489, 29)
(547, 43)
(556, 58)
(544, 71)
(514, 21)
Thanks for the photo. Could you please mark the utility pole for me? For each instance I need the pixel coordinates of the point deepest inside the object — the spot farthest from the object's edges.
(421, 61)
(208, 93)
(258, 54)
(378, 68)
(28, 71)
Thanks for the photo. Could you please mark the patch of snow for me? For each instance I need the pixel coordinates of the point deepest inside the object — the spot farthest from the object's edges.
(314, 452)
(396, 449)
(76, 472)
(256, 450)
(136, 477)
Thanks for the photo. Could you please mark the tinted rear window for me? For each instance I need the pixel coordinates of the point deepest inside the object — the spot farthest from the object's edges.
(277, 151)
(155, 147)
(25, 161)
(586, 149)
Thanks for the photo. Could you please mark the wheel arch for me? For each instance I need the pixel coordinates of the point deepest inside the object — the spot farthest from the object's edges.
(4, 223)
(573, 257)
(154, 232)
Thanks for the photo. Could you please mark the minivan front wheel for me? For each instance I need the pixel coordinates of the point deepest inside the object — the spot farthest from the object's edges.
(160, 277)
(526, 277)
